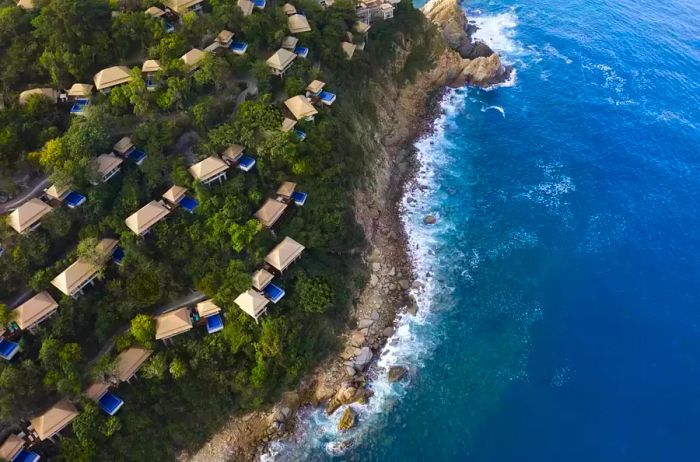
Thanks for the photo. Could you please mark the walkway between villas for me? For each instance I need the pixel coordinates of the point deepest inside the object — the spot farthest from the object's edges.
(188, 299)
(35, 188)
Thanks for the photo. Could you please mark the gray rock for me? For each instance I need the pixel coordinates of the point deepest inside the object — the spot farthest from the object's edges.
(350, 370)
(374, 316)
(392, 271)
(362, 359)
(376, 266)
(373, 280)
(396, 373)
(364, 323)
(404, 284)
(388, 332)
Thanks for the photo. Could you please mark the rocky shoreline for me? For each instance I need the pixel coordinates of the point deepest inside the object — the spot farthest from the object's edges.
(409, 111)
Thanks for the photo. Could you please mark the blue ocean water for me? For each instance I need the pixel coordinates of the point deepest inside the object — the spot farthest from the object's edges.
(559, 315)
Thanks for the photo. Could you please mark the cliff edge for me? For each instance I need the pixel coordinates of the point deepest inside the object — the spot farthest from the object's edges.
(481, 66)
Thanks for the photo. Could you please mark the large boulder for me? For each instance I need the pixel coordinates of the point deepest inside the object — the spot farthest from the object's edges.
(450, 18)
(363, 358)
(396, 373)
(484, 71)
(347, 421)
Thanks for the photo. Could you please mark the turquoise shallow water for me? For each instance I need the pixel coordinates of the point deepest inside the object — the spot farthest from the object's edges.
(559, 318)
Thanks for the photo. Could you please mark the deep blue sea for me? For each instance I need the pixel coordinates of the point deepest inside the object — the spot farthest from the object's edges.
(560, 314)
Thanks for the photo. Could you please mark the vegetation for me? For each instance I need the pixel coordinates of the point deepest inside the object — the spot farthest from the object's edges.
(214, 250)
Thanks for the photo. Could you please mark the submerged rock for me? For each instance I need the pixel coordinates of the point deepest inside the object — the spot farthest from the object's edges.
(430, 220)
(347, 421)
(396, 373)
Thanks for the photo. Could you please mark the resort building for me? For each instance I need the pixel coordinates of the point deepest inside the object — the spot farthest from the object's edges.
(209, 170)
(252, 303)
(123, 147)
(348, 49)
(361, 27)
(246, 7)
(57, 192)
(48, 93)
(183, 6)
(386, 11)
(315, 87)
(27, 217)
(288, 124)
(26, 4)
(80, 90)
(193, 59)
(130, 361)
(34, 311)
(108, 402)
(225, 38)
(150, 66)
(108, 78)
(289, 9)
(58, 417)
(270, 212)
(207, 308)
(233, 153)
(147, 216)
(284, 254)
(297, 24)
(290, 42)
(170, 324)
(107, 165)
(261, 278)
(174, 195)
(75, 278)
(13, 450)
(287, 193)
(281, 61)
(301, 108)
(155, 12)
(210, 312)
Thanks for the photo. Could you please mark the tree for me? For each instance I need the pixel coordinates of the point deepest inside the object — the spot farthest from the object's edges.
(155, 367)
(294, 86)
(88, 250)
(62, 364)
(74, 34)
(143, 329)
(143, 287)
(178, 368)
(315, 295)
(6, 315)
(212, 71)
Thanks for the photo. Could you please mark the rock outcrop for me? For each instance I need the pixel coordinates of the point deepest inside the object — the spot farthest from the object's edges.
(481, 66)
(347, 421)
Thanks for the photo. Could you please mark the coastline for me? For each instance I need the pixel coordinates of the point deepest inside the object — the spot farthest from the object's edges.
(387, 258)
(408, 113)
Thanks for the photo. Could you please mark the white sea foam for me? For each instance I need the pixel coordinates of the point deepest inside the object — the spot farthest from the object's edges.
(495, 108)
(498, 32)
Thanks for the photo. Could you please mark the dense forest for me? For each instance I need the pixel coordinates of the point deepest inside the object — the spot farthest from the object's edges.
(185, 391)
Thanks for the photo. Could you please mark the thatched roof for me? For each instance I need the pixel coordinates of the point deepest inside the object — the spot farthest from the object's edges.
(298, 23)
(284, 254)
(300, 107)
(28, 214)
(112, 76)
